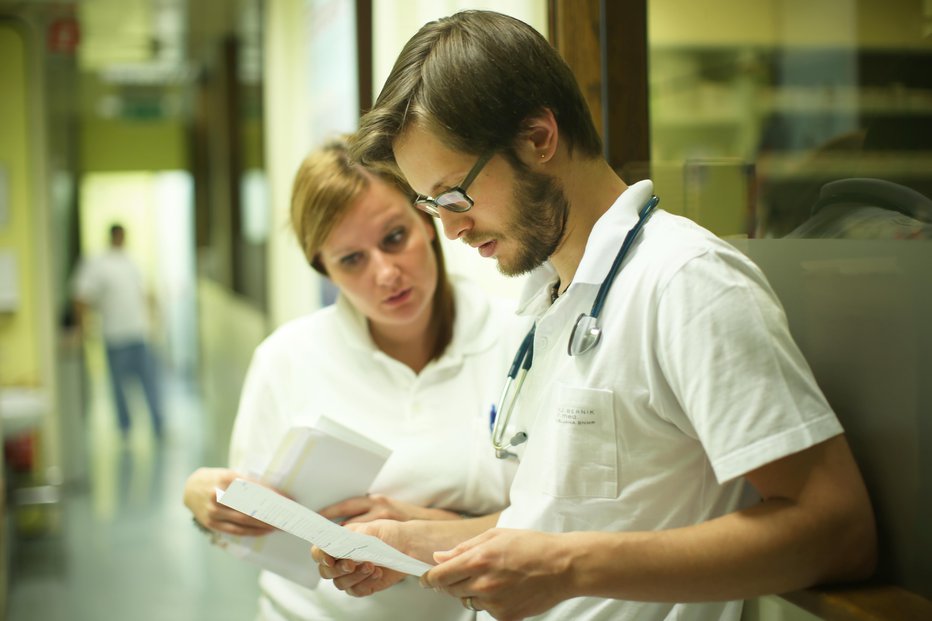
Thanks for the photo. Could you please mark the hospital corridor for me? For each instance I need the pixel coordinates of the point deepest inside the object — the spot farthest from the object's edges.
(529, 280)
(119, 544)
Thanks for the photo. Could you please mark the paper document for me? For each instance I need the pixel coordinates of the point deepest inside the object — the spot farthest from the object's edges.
(297, 469)
(337, 541)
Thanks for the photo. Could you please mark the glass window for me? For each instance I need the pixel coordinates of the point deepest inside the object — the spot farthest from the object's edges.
(761, 115)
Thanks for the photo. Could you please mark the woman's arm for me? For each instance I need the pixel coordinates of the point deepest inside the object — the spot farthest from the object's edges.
(380, 507)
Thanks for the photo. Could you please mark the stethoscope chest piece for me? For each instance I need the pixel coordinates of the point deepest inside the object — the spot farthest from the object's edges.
(586, 334)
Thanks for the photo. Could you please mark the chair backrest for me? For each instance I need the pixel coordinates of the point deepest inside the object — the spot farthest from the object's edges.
(875, 193)
(861, 312)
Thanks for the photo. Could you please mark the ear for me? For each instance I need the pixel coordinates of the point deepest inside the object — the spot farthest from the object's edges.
(538, 139)
(430, 225)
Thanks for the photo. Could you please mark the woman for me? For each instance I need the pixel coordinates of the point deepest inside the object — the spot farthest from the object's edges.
(404, 356)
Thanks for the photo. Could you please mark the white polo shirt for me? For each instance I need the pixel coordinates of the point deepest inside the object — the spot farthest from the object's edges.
(437, 422)
(696, 381)
(113, 285)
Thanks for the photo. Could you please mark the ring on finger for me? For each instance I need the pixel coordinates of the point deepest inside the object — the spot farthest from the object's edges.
(467, 603)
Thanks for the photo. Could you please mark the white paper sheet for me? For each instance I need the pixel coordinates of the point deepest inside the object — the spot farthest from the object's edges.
(337, 541)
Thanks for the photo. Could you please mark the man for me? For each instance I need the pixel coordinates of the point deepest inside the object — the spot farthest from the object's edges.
(112, 284)
(629, 500)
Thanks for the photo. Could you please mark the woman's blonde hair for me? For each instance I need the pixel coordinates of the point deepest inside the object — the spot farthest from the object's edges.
(325, 187)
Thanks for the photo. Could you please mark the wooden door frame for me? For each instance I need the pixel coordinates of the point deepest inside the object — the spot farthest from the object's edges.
(605, 44)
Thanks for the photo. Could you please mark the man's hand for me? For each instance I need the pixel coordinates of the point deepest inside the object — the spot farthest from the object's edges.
(200, 498)
(512, 574)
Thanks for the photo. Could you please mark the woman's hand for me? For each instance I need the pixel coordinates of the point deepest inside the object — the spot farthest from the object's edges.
(420, 539)
(379, 507)
(200, 498)
(362, 579)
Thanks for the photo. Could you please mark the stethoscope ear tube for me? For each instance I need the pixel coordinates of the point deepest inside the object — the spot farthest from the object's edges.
(521, 357)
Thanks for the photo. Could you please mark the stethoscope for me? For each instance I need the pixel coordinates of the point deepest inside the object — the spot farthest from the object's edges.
(586, 334)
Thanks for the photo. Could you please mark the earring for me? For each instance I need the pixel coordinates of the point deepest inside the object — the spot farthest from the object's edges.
(543, 155)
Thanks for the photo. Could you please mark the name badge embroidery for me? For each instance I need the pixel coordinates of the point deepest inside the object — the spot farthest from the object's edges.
(569, 415)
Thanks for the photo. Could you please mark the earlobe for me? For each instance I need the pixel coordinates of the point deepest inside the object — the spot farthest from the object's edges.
(538, 138)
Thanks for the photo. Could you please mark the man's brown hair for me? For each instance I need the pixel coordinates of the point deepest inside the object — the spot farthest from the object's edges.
(473, 79)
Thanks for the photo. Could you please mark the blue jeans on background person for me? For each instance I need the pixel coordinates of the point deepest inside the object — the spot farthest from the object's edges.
(134, 359)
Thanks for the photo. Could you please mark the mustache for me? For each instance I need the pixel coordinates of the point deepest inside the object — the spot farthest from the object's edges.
(472, 238)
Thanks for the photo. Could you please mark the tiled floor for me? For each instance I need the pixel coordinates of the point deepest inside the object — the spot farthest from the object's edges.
(124, 547)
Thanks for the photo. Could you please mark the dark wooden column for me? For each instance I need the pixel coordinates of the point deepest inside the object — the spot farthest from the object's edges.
(574, 31)
(364, 53)
(605, 44)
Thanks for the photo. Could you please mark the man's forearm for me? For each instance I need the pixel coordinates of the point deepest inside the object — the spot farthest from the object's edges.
(825, 532)
(722, 560)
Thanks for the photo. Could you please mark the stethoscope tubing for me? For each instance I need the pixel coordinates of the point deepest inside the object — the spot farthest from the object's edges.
(516, 375)
(643, 216)
(525, 354)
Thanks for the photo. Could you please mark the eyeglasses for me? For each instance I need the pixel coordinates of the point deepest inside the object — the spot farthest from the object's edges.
(455, 199)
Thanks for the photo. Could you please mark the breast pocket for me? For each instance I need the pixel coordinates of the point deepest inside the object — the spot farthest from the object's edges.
(581, 447)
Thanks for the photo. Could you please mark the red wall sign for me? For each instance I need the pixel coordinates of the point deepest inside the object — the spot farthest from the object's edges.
(64, 35)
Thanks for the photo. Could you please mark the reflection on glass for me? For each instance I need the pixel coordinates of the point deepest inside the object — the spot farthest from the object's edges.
(753, 114)
(858, 208)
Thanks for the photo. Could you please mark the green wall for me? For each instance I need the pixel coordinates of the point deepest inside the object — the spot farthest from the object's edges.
(132, 145)
(19, 337)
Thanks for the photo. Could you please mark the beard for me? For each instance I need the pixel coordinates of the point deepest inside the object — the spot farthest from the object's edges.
(538, 219)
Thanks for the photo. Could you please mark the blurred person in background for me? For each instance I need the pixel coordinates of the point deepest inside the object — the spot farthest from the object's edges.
(112, 285)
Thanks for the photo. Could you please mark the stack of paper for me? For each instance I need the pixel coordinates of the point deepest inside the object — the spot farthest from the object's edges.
(302, 469)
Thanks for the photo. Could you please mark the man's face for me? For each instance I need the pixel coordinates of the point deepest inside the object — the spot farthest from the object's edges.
(518, 215)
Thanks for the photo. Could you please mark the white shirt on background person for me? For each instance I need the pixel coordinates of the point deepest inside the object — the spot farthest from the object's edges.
(113, 285)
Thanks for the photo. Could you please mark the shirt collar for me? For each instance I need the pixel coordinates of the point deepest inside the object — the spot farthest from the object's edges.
(535, 295)
(471, 333)
(609, 232)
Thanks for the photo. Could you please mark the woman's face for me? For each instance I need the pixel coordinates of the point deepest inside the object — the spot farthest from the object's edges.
(379, 256)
